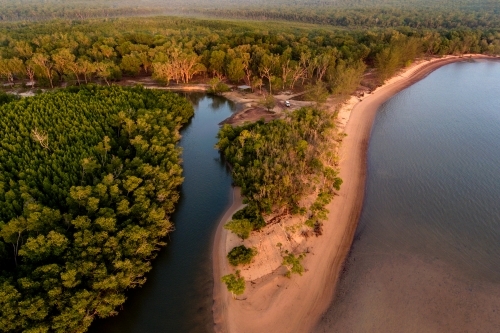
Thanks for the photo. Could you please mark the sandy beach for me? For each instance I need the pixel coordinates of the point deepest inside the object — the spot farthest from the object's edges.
(274, 303)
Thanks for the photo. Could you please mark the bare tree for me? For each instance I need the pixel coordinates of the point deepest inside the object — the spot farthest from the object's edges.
(41, 137)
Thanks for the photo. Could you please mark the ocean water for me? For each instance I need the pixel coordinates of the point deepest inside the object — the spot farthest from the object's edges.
(426, 254)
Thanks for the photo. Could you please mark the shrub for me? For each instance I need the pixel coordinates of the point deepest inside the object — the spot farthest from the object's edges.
(241, 255)
(293, 264)
(240, 227)
(217, 87)
(251, 213)
(234, 283)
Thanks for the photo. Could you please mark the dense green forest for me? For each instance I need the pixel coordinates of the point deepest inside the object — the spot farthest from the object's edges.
(88, 179)
(276, 55)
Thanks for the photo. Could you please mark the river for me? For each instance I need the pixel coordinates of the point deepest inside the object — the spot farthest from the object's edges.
(426, 254)
(177, 296)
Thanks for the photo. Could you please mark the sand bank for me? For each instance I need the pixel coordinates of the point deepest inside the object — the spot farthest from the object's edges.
(273, 303)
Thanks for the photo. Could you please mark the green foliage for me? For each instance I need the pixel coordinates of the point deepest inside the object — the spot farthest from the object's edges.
(7, 98)
(275, 55)
(441, 14)
(345, 77)
(277, 164)
(347, 13)
(268, 102)
(88, 178)
(217, 87)
(318, 211)
(251, 213)
(293, 264)
(241, 255)
(234, 283)
(236, 70)
(317, 93)
(241, 227)
(397, 54)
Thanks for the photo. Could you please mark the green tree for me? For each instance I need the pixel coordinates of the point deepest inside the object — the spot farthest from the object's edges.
(65, 63)
(217, 59)
(234, 283)
(44, 65)
(256, 83)
(131, 64)
(217, 87)
(76, 229)
(317, 92)
(241, 255)
(241, 227)
(269, 102)
(267, 68)
(236, 70)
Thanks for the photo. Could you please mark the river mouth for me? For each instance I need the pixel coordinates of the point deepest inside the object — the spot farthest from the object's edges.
(177, 296)
(426, 255)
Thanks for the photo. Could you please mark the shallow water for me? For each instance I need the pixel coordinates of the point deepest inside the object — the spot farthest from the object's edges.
(426, 255)
(178, 293)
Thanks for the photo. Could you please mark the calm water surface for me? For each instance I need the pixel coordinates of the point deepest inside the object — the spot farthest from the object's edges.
(426, 255)
(177, 296)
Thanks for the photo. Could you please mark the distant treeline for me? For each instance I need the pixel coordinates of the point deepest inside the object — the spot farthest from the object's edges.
(362, 17)
(274, 55)
(346, 13)
(37, 10)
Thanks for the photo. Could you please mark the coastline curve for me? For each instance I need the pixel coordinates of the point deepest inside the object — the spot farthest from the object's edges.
(296, 305)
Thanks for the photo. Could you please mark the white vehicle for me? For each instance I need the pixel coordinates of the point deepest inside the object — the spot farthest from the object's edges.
(287, 103)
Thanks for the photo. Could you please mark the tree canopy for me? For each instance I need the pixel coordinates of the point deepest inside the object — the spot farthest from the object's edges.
(234, 283)
(347, 13)
(278, 164)
(88, 179)
(274, 55)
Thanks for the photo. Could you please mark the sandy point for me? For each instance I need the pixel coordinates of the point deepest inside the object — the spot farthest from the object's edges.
(274, 303)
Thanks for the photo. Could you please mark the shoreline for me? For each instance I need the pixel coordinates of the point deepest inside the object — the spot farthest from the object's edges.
(276, 303)
(218, 251)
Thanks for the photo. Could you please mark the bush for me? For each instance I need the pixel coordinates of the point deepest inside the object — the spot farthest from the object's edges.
(293, 264)
(251, 213)
(217, 87)
(7, 98)
(234, 283)
(241, 227)
(241, 255)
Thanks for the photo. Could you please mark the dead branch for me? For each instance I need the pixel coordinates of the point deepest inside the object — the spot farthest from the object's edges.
(41, 137)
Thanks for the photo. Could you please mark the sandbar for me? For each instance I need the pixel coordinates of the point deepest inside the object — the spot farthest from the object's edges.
(274, 303)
